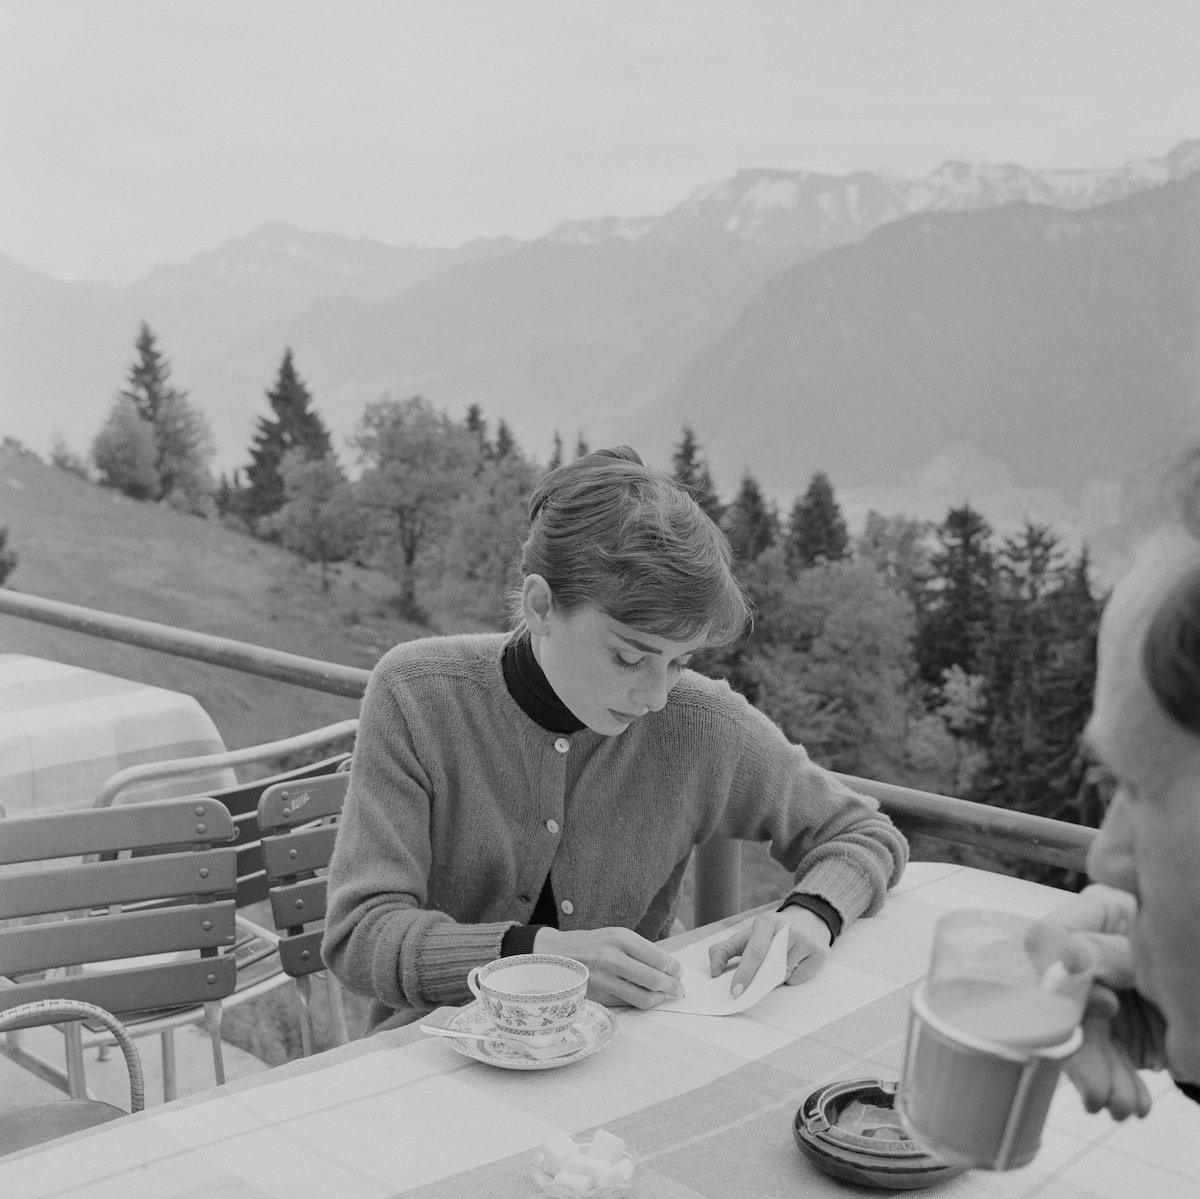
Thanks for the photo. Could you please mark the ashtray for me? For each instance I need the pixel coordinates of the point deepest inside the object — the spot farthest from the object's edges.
(850, 1130)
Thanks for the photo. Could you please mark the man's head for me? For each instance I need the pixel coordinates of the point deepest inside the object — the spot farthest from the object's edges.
(1145, 728)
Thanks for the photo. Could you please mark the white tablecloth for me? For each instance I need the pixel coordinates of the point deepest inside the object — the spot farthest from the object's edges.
(707, 1102)
(65, 730)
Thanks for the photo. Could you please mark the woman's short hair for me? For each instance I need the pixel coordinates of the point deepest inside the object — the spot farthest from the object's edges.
(608, 532)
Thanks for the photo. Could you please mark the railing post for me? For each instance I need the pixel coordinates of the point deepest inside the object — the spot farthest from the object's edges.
(718, 880)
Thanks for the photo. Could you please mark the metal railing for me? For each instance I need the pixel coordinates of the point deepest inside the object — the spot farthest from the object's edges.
(718, 863)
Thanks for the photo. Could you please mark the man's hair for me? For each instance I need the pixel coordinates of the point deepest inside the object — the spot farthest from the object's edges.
(608, 532)
(1171, 650)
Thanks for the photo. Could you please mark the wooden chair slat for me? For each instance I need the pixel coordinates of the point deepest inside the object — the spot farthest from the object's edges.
(300, 852)
(296, 904)
(98, 884)
(285, 807)
(41, 946)
(139, 989)
(301, 954)
(91, 831)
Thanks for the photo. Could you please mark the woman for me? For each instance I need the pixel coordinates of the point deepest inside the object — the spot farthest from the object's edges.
(544, 790)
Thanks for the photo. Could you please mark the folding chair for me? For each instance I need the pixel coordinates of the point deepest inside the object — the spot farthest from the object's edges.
(157, 879)
(298, 821)
(36, 1123)
(255, 950)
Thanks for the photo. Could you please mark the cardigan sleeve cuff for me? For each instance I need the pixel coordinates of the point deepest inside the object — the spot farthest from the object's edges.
(519, 939)
(448, 951)
(818, 907)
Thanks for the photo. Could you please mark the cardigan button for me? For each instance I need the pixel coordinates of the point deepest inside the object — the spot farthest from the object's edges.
(562, 745)
(552, 825)
(567, 906)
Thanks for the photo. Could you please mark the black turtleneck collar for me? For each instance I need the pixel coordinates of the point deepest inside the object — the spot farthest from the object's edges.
(528, 685)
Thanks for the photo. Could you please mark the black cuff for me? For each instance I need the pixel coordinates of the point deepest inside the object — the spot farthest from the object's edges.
(1190, 1089)
(519, 939)
(818, 907)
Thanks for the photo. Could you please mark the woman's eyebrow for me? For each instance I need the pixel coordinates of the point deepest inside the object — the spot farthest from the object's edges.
(647, 649)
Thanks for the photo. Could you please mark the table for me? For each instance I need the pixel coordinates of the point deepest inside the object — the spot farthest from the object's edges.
(64, 730)
(706, 1102)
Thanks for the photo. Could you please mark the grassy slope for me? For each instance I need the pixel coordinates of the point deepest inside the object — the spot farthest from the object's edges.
(82, 544)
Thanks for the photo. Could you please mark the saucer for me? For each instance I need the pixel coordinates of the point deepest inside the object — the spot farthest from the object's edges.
(593, 1029)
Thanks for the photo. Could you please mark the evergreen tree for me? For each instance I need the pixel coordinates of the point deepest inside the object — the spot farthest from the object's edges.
(294, 426)
(690, 468)
(750, 522)
(556, 454)
(956, 607)
(581, 447)
(478, 426)
(1039, 665)
(505, 443)
(816, 528)
(155, 432)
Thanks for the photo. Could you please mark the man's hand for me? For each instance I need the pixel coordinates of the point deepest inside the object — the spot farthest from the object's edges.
(1123, 1032)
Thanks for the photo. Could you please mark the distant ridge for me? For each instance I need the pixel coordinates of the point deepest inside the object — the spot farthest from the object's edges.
(1064, 343)
(589, 329)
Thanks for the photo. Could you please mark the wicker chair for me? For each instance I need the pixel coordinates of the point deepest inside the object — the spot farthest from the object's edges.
(34, 1124)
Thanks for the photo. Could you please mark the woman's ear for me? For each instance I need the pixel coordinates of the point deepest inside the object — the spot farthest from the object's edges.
(537, 604)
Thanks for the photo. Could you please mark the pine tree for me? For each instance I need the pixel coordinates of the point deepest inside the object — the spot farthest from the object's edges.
(556, 455)
(1039, 665)
(155, 444)
(581, 447)
(690, 468)
(505, 443)
(295, 426)
(956, 609)
(816, 528)
(750, 522)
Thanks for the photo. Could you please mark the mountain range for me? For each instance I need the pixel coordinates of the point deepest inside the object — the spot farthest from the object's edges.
(1031, 330)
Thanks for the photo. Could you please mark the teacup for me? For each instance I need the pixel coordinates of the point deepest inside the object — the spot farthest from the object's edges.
(533, 996)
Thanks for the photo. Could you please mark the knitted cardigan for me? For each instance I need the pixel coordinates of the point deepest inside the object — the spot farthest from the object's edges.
(459, 805)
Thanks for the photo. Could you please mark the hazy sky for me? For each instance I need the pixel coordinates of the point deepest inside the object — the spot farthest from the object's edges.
(142, 131)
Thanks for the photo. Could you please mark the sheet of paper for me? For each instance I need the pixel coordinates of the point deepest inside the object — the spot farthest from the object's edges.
(708, 996)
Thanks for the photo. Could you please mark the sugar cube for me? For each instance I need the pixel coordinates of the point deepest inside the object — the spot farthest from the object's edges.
(581, 1163)
(606, 1147)
(579, 1183)
(620, 1171)
(556, 1152)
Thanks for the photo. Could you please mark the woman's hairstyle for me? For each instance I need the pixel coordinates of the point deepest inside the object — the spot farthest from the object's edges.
(1171, 650)
(608, 532)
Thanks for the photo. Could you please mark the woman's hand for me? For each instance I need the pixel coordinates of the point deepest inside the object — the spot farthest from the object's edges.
(809, 940)
(1123, 1032)
(623, 967)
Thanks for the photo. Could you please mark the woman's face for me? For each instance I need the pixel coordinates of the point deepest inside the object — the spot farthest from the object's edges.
(1149, 843)
(607, 673)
